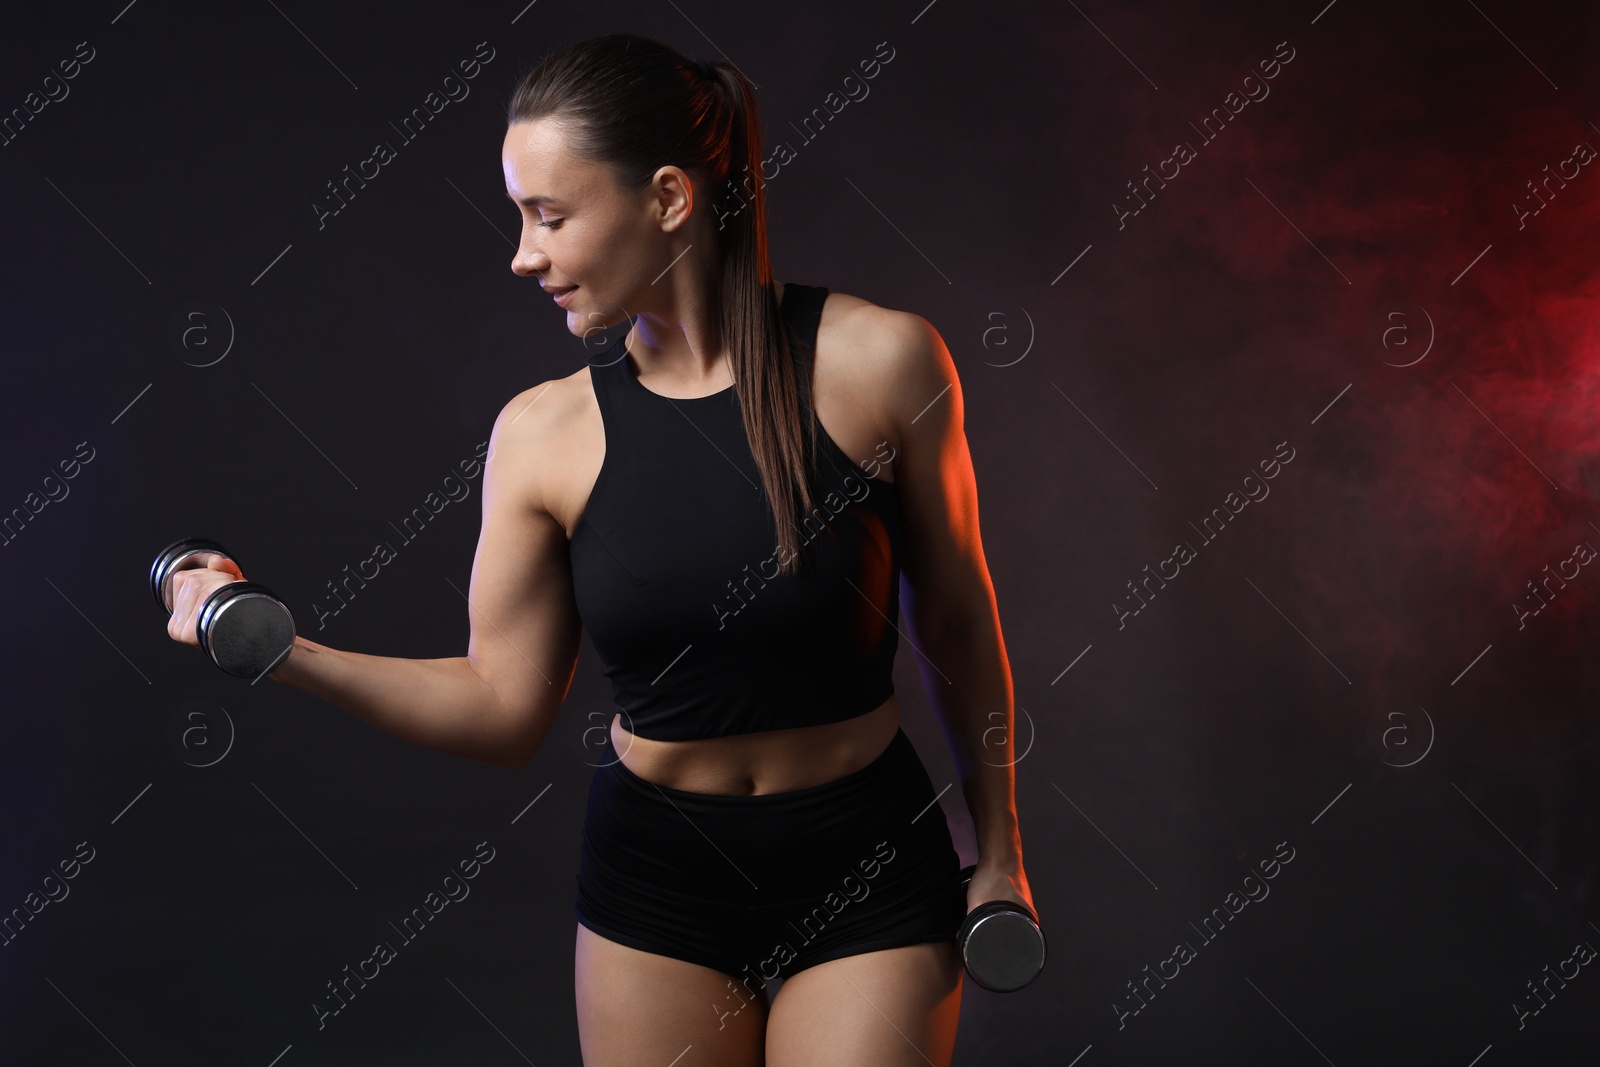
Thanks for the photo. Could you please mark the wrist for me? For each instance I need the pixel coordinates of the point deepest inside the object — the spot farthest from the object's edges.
(1000, 851)
(291, 669)
(1008, 859)
(997, 832)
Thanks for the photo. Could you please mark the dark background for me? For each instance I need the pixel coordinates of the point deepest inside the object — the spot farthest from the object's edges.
(1345, 670)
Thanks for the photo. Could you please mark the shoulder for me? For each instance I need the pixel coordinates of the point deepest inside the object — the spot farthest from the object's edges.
(537, 431)
(897, 356)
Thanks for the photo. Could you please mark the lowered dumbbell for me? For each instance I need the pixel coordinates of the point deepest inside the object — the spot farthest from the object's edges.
(241, 626)
(1001, 944)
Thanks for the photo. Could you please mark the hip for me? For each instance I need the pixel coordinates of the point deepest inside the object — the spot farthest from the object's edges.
(769, 848)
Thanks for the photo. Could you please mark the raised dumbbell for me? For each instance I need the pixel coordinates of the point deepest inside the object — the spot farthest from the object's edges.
(1001, 944)
(242, 627)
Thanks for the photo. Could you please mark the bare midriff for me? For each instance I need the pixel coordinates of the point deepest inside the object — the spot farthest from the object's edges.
(772, 761)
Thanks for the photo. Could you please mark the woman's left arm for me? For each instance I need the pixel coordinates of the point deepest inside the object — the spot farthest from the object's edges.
(949, 599)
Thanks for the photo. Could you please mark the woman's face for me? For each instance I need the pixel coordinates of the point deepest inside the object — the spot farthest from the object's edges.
(580, 228)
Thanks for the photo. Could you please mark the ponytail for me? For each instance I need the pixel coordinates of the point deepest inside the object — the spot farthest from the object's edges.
(637, 105)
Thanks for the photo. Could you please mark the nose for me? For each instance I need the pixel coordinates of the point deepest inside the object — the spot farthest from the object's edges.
(529, 264)
(529, 261)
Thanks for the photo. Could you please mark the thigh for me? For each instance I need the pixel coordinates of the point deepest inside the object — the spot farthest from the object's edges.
(886, 1008)
(637, 1007)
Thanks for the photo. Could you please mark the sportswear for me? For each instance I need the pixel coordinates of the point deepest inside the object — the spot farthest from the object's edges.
(675, 567)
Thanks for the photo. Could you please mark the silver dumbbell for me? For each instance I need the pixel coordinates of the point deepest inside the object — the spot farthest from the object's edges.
(242, 626)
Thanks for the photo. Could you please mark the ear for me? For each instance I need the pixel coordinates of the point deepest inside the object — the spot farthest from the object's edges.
(674, 197)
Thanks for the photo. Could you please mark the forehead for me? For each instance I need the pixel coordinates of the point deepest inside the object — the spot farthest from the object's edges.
(538, 162)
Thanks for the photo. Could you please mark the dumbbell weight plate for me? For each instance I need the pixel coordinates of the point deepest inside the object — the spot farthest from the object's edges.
(1001, 944)
(245, 629)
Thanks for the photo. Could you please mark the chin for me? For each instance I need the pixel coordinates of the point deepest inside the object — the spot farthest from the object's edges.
(594, 322)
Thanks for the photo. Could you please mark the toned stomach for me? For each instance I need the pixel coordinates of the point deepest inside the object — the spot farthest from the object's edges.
(773, 761)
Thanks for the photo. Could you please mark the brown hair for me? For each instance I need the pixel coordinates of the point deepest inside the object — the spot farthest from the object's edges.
(636, 105)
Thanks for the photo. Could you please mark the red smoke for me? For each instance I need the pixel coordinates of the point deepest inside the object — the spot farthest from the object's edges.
(1429, 495)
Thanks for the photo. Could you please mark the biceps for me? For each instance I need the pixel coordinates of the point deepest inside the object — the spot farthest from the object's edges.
(525, 627)
(958, 495)
(944, 551)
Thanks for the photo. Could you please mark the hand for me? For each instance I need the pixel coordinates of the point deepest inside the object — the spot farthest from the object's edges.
(1000, 881)
(189, 589)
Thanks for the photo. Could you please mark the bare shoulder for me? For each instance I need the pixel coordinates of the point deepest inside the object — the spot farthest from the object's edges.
(892, 362)
(885, 348)
(541, 435)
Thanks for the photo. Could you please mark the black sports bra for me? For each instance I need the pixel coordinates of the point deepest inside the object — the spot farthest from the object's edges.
(675, 567)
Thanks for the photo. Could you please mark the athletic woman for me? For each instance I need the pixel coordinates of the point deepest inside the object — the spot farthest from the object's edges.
(731, 499)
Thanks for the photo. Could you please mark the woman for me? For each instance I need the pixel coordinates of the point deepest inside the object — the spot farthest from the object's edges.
(777, 454)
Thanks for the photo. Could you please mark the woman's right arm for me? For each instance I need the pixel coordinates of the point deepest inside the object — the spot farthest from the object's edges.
(496, 703)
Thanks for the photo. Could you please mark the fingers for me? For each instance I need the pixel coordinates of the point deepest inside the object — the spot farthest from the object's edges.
(180, 625)
(189, 590)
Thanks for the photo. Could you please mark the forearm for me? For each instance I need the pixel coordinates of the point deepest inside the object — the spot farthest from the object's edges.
(442, 704)
(968, 678)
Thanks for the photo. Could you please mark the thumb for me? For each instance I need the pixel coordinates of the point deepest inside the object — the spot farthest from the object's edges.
(220, 563)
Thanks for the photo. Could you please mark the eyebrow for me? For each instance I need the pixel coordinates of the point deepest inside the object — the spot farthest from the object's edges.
(535, 201)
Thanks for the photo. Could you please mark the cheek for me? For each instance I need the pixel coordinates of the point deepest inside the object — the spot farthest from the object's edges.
(595, 256)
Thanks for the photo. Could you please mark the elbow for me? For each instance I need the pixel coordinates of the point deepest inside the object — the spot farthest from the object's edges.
(516, 745)
(507, 759)
(512, 753)
(942, 625)
(950, 610)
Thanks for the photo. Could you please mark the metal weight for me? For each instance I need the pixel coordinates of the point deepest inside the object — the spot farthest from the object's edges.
(1001, 944)
(242, 627)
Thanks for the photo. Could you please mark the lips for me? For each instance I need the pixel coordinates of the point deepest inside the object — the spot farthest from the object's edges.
(560, 295)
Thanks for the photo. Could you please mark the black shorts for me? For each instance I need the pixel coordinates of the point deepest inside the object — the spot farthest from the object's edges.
(763, 886)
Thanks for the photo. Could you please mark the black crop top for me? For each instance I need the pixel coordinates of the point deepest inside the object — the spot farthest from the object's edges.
(675, 566)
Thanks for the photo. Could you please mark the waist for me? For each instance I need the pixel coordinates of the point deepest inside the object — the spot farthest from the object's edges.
(770, 761)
